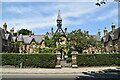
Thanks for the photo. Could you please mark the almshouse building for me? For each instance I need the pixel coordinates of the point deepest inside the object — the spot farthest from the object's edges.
(30, 43)
(6, 41)
(111, 40)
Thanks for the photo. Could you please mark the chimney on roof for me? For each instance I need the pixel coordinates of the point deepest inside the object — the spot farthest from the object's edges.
(113, 27)
(5, 26)
(105, 31)
(65, 30)
(87, 32)
(30, 33)
(12, 30)
(17, 33)
(99, 32)
(52, 30)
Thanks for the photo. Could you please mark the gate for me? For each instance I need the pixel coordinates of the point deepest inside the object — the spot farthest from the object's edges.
(61, 62)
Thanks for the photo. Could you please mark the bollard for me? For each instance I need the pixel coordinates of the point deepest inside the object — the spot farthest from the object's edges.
(74, 59)
(58, 64)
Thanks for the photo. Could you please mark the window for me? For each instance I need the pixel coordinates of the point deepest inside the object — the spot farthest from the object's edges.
(33, 46)
(111, 43)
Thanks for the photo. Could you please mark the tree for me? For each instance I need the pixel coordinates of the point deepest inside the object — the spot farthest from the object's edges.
(79, 41)
(23, 32)
(51, 42)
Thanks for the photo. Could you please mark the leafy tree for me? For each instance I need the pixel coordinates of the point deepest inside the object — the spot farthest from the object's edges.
(52, 42)
(79, 41)
(49, 42)
(23, 32)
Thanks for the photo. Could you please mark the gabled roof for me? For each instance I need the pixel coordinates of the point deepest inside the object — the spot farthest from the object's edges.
(14, 39)
(106, 37)
(116, 33)
(38, 38)
(7, 36)
(97, 37)
(20, 38)
(27, 39)
(113, 35)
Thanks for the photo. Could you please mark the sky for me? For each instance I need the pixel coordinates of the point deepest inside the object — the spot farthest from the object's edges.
(41, 16)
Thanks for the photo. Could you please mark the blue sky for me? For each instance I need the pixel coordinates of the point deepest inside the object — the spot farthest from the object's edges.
(41, 16)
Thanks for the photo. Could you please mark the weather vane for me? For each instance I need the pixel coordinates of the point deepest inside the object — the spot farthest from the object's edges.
(101, 2)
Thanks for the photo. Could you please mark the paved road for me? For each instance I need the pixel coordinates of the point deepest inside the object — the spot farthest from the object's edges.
(40, 77)
(61, 77)
(100, 73)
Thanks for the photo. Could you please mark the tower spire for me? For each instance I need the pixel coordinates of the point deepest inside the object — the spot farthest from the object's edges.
(59, 15)
(59, 24)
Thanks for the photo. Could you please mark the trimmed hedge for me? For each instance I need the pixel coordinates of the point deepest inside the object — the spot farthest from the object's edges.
(29, 60)
(98, 59)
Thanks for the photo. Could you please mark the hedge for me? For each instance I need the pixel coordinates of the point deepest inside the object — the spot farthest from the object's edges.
(29, 60)
(98, 59)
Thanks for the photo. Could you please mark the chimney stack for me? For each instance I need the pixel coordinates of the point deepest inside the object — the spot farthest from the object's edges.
(12, 30)
(5, 26)
(30, 33)
(65, 30)
(113, 27)
(99, 32)
(105, 31)
(17, 33)
(86, 31)
(52, 30)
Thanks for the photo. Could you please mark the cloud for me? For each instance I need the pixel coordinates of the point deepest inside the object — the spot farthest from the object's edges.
(43, 15)
(33, 17)
(107, 15)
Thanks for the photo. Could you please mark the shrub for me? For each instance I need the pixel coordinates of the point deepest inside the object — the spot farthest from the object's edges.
(46, 50)
(68, 60)
(98, 59)
(29, 60)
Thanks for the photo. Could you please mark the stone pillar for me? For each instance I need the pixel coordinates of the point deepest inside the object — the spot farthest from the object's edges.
(74, 59)
(58, 64)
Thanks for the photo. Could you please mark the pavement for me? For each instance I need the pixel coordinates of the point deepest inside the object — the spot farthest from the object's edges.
(79, 70)
(81, 73)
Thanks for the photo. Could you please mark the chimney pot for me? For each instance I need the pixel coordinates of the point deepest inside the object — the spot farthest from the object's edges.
(113, 27)
(65, 30)
(105, 31)
(5, 26)
(12, 30)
